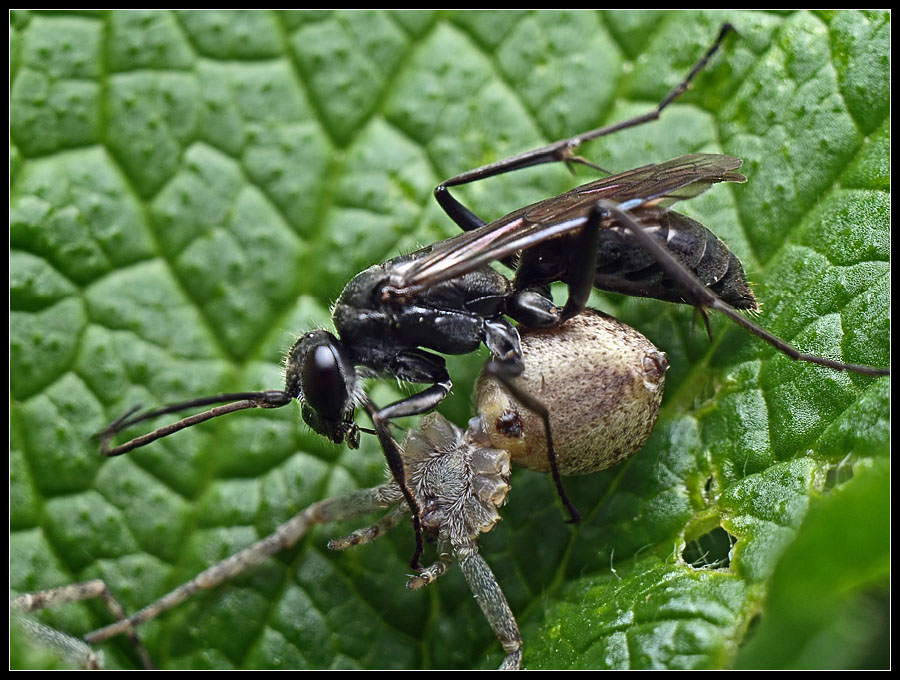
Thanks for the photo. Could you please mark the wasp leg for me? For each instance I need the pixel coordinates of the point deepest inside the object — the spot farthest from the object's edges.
(561, 150)
(581, 282)
(423, 402)
(533, 308)
(502, 339)
(583, 266)
(505, 368)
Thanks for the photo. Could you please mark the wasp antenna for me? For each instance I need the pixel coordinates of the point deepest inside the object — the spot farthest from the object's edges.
(236, 401)
(119, 424)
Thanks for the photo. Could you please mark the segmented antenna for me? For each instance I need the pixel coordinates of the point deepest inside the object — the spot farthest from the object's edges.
(236, 401)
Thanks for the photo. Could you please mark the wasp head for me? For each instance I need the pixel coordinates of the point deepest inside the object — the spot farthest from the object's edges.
(321, 375)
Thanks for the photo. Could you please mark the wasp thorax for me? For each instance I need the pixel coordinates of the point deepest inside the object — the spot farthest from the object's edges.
(602, 383)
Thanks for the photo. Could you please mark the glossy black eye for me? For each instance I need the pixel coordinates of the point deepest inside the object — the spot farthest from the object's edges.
(324, 387)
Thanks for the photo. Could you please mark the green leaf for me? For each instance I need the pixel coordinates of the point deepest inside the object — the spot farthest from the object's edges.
(191, 190)
(834, 612)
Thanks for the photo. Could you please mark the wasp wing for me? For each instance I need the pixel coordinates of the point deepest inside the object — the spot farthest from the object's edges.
(658, 185)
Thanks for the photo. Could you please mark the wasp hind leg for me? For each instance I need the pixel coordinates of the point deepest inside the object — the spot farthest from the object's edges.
(562, 150)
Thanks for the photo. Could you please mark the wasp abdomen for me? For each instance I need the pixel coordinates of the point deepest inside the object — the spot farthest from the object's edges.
(624, 266)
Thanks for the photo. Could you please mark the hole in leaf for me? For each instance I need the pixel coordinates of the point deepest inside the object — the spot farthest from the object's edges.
(712, 550)
(838, 475)
(708, 488)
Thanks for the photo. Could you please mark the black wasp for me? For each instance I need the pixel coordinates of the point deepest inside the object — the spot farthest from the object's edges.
(616, 233)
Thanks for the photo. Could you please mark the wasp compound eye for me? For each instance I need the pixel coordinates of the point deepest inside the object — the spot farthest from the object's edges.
(320, 374)
(323, 383)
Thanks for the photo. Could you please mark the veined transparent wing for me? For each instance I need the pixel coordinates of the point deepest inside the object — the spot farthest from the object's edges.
(659, 186)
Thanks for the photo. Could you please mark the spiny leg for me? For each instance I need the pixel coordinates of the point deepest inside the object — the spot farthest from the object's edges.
(353, 504)
(78, 592)
(75, 652)
(561, 150)
(432, 573)
(368, 534)
(702, 297)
